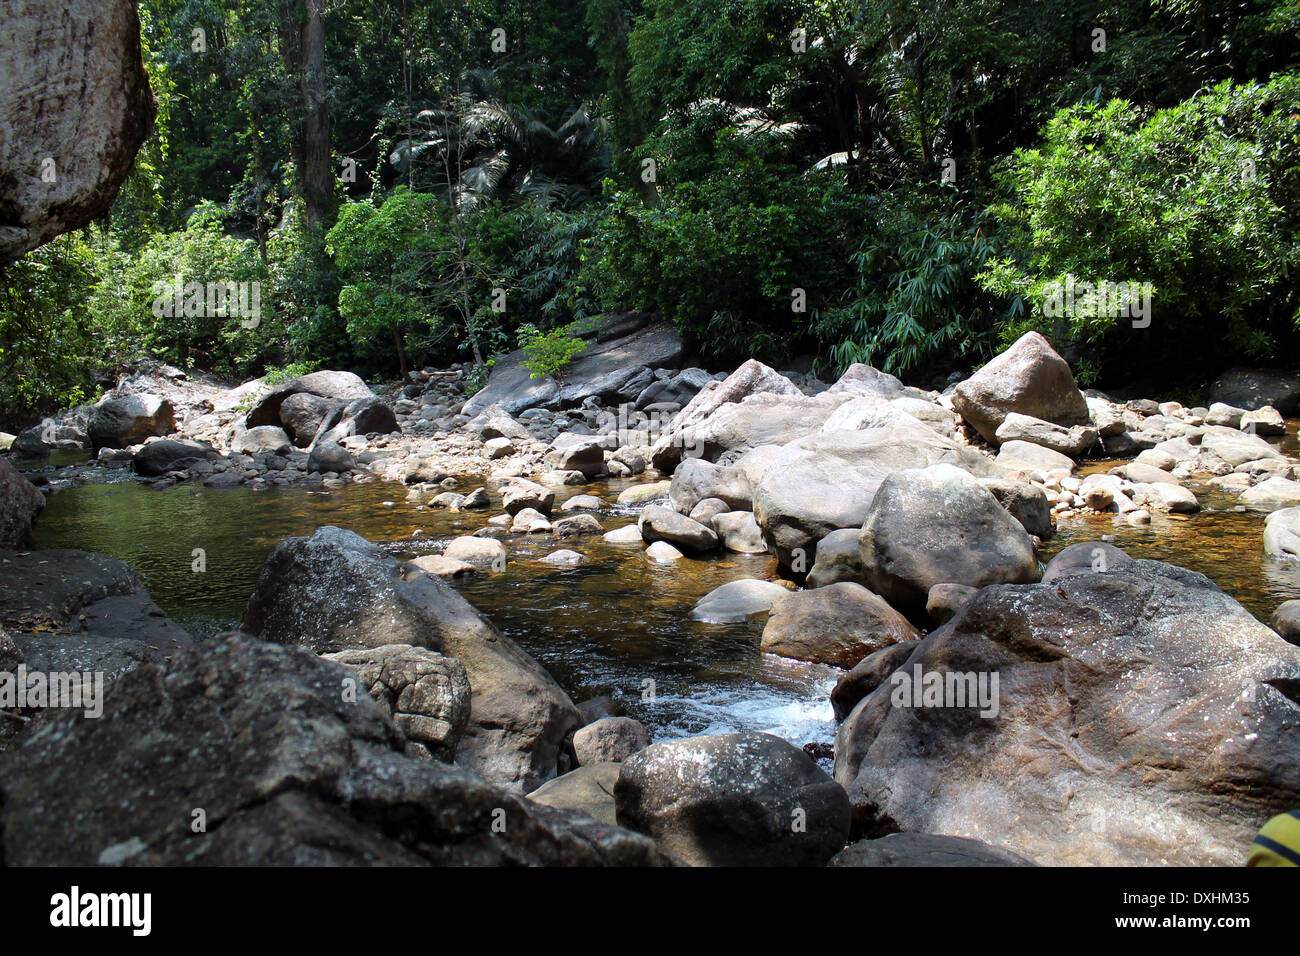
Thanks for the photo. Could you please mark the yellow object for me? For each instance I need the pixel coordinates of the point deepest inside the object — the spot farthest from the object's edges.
(1278, 842)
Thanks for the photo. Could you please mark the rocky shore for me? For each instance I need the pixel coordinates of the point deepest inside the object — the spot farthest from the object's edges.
(1093, 709)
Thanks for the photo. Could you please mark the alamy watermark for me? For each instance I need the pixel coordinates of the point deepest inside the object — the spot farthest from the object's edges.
(1092, 300)
(921, 688)
(633, 427)
(22, 689)
(179, 299)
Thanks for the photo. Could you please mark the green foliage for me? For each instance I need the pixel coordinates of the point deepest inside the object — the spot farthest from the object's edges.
(549, 353)
(914, 301)
(723, 254)
(1202, 200)
(47, 337)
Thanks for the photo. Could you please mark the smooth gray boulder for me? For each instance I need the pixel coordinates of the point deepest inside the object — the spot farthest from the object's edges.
(939, 525)
(925, 849)
(826, 481)
(839, 624)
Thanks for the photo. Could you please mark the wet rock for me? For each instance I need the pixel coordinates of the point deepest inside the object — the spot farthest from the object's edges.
(641, 494)
(284, 769)
(1144, 718)
(335, 591)
(733, 800)
(426, 694)
(664, 524)
(477, 551)
(475, 500)
(1086, 557)
(1029, 378)
(563, 558)
(839, 624)
(609, 740)
(925, 849)
(577, 526)
(444, 567)
(628, 534)
(130, 419)
(661, 552)
(20, 503)
(938, 525)
(737, 601)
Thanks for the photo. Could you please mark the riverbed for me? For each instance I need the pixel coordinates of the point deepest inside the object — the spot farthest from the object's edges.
(617, 625)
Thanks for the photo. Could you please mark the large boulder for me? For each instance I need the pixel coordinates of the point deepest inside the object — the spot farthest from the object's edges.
(330, 456)
(1282, 533)
(939, 525)
(1029, 378)
(75, 106)
(302, 414)
(1140, 717)
(839, 624)
(752, 378)
(171, 454)
(20, 503)
(245, 753)
(733, 800)
(828, 480)
(340, 387)
(130, 419)
(618, 348)
(335, 591)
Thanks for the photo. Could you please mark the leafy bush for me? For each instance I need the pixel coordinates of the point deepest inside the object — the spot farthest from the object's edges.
(549, 353)
(1202, 200)
(914, 301)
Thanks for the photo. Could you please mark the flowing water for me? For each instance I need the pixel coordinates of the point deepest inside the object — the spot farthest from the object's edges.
(616, 625)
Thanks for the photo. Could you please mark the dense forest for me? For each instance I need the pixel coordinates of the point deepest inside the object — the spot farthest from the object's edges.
(395, 183)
